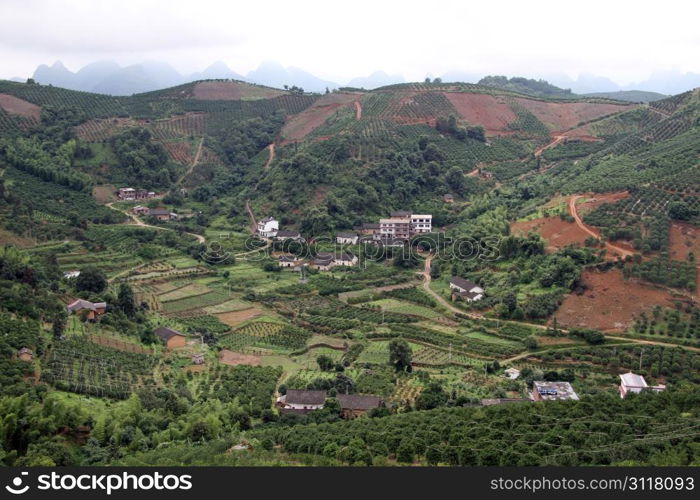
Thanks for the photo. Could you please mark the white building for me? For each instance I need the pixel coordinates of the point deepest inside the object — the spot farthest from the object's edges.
(466, 289)
(512, 373)
(421, 224)
(344, 259)
(268, 227)
(302, 400)
(347, 238)
(633, 383)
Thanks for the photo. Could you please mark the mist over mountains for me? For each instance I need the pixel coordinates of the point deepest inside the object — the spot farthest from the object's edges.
(108, 77)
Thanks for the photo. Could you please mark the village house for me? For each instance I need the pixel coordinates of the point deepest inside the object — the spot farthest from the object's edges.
(552, 391)
(289, 261)
(26, 354)
(368, 228)
(301, 401)
(93, 309)
(162, 214)
(305, 401)
(268, 227)
(344, 259)
(465, 289)
(347, 238)
(403, 225)
(448, 198)
(512, 373)
(131, 194)
(323, 262)
(140, 210)
(71, 274)
(127, 194)
(631, 383)
(172, 338)
(485, 174)
(288, 235)
(356, 405)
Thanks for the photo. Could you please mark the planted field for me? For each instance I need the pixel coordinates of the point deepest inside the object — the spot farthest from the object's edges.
(401, 307)
(191, 290)
(196, 302)
(235, 318)
(86, 368)
(266, 335)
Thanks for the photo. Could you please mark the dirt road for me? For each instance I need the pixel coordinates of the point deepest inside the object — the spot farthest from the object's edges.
(193, 164)
(271, 157)
(557, 140)
(138, 222)
(574, 213)
(358, 110)
(253, 222)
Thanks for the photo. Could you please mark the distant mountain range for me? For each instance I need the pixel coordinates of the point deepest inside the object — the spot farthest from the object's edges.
(108, 77)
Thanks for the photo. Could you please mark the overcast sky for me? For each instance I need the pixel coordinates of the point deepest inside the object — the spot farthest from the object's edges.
(624, 40)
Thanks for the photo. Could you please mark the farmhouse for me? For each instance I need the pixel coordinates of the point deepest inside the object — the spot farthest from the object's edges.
(162, 214)
(553, 391)
(131, 194)
(512, 373)
(289, 261)
(355, 405)
(172, 338)
(485, 174)
(369, 228)
(268, 227)
(25, 354)
(448, 198)
(94, 308)
(403, 225)
(344, 259)
(323, 262)
(631, 383)
(301, 401)
(288, 235)
(465, 289)
(71, 274)
(127, 194)
(347, 238)
(140, 210)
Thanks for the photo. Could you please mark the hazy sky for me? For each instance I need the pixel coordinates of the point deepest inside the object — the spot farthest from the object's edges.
(625, 40)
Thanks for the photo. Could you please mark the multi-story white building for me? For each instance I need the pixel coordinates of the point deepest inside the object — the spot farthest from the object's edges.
(421, 223)
(268, 227)
(395, 227)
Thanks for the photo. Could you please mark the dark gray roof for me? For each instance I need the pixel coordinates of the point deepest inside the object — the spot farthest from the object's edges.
(344, 257)
(400, 213)
(304, 397)
(358, 401)
(370, 225)
(288, 234)
(346, 235)
(167, 333)
(462, 283)
(159, 211)
(288, 258)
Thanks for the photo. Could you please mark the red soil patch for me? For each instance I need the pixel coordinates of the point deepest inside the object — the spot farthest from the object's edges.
(683, 239)
(233, 358)
(491, 112)
(556, 232)
(235, 318)
(101, 129)
(233, 91)
(567, 115)
(302, 124)
(16, 106)
(610, 302)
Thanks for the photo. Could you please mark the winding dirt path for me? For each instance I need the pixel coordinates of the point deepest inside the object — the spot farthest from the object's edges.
(574, 213)
(194, 163)
(557, 140)
(271, 157)
(358, 111)
(251, 215)
(138, 222)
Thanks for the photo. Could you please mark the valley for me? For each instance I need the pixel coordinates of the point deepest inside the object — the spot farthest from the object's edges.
(279, 248)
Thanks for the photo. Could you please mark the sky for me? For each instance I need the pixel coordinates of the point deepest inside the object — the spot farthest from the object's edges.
(623, 40)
